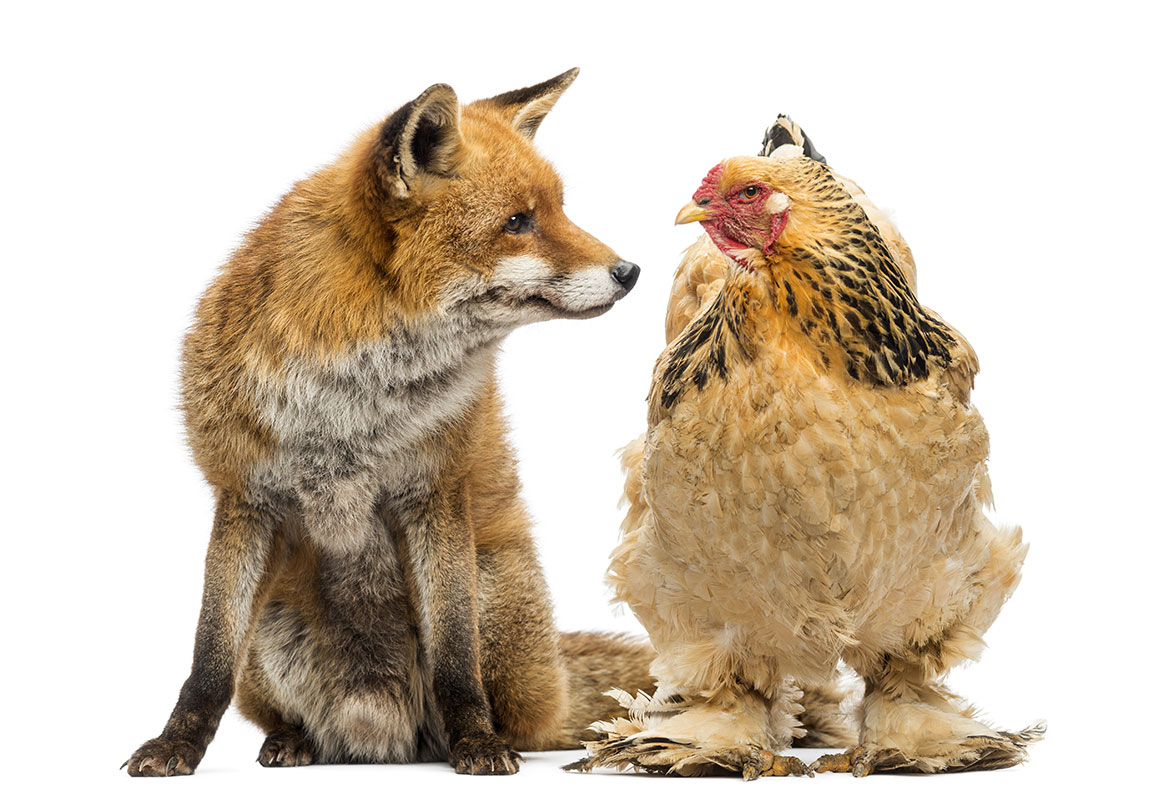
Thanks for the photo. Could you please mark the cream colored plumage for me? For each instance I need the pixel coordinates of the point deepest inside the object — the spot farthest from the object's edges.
(810, 490)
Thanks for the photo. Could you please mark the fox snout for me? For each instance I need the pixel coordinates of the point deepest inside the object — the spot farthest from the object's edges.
(541, 290)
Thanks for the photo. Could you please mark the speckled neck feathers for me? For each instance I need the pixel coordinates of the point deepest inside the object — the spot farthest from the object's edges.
(725, 331)
(846, 290)
(832, 280)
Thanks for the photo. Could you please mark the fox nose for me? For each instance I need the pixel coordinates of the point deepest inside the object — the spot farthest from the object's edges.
(625, 274)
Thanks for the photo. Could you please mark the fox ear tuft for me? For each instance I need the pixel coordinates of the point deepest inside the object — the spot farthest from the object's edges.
(420, 137)
(528, 107)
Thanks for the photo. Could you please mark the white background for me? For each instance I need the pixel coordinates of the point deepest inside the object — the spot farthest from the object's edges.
(1018, 145)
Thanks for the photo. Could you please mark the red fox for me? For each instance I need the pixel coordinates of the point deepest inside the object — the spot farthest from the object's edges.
(372, 593)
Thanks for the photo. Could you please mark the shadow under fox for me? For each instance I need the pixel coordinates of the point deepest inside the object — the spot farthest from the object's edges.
(372, 592)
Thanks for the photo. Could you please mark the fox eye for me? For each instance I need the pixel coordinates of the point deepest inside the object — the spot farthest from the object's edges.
(749, 192)
(518, 224)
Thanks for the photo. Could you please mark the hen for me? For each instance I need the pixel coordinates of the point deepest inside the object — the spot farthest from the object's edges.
(810, 491)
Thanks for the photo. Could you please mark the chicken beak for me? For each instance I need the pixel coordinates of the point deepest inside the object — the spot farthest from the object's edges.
(691, 213)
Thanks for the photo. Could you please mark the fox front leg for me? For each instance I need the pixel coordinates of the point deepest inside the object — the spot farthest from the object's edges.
(443, 563)
(235, 566)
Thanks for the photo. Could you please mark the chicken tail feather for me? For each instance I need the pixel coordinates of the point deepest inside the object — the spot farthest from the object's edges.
(785, 132)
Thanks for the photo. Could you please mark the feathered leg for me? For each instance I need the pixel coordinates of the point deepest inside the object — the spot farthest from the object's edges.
(826, 721)
(909, 725)
(732, 731)
(909, 722)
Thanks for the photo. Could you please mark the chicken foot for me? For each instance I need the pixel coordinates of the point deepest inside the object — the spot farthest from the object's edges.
(981, 752)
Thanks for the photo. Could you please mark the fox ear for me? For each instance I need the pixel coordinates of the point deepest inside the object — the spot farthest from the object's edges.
(420, 137)
(528, 107)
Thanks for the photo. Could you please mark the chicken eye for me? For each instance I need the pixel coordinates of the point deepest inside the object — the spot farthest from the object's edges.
(749, 192)
(518, 224)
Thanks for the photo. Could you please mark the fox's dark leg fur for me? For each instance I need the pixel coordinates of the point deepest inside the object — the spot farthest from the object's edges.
(236, 564)
(442, 563)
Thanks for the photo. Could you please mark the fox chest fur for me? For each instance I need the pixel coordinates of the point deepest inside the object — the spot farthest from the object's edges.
(375, 422)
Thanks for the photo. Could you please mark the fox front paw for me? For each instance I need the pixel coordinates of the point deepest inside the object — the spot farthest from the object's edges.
(160, 757)
(486, 755)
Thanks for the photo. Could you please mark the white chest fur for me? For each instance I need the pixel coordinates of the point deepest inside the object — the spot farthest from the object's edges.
(354, 428)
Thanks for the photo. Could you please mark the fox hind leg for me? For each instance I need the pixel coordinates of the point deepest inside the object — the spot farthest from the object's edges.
(287, 747)
(333, 672)
(521, 665)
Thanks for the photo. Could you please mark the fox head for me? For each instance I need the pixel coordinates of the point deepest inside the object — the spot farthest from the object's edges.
(468, 214)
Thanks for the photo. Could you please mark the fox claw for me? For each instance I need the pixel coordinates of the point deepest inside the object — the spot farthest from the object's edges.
(286, 748)
(484, 756)
(160, 757)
